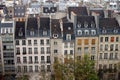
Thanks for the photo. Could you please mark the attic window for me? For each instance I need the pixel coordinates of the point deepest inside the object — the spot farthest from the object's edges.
(20, 33)
(104, 31)
(55, 35)
(53, 10)
(85, 24)
(46, 10)
(92, 24)
(79, 25)
(44, 33)
(115, 31)
(68, 36)
(32, 33)
(69, 28)
(79, 32)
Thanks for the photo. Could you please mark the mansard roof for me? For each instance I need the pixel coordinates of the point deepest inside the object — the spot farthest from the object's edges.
(108, 23)
(19, 11)
(83, 20)
(44, 23)
(32, 24)
(55, 26)
(68, 28)
(20, 27)
(77, 11)
(98, 11)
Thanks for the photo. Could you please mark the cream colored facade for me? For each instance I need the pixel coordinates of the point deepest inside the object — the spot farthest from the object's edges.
(109, 51)
(86, 45)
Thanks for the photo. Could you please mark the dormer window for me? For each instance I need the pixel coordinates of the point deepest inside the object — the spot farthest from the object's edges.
(85, 24)
(53, 10)
(69, 28)
(79, 32)
(79, 25)
(55, 35)
(93, 32)
(46, 10)
(92, 24)
(32, 33)
(44, 33)
(104, 31)
(68, 37)
(20, 33)
(86, 32)
(115, 31)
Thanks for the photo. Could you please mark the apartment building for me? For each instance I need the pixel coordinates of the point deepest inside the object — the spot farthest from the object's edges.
(7, 46)
(108, 55)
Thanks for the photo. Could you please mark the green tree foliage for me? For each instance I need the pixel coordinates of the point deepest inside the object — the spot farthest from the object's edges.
(80, 70)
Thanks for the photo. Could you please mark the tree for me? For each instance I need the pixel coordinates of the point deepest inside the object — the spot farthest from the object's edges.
(84, 69)
(23, 77)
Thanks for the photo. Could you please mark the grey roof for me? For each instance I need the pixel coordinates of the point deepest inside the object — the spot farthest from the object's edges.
(19, 11)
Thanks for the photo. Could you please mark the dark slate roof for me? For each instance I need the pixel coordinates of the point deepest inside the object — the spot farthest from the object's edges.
(44, 23)
(6, 24)
(68, 28)
(98, 11)
(64, 19)
(19, 11)
(55, 27)
(2, 6)
(77, 10)
(32, 24)
(20, 27)
(108, 23)
(49, 9)
(83, 19)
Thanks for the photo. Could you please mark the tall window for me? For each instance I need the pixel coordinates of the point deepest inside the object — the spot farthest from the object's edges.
(25, 69)
(111, 56)
(42, 59)
(17, 51)
(101, 47)
(117, 39)
(18, 59)
(71, 45)
(24, 50)
(36, 59)
(55, 51)
(35, 42)
(106, 39)
(101, 39)
(30, 59)
(116, 55)
(79, 41)
(86, 50)
(100, 56)
(112, 39)
(55, 43)
(35, 50)
(17, 42)
(42, 50)
(47, 41)
(48, 50)
(79, 50)
(105, 55)
(48, 59)
(93, 41)
(42, 42)
(30, 50)
(65, 45)
(36, 68)
(106, 47)
(116, 47)
(65, 52)
(92, 50)
(23, 42)
(30, 69)
(86, 41)
(71, 52)
(29, 42)
(24, 59)
(111, 47)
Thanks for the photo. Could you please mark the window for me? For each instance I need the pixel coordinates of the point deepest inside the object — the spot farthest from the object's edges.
(85, 24)
(93, 41)
(25, 69)
(18, 59)
(79, 32)
(55, 43)
(110, 66)
(106, 47)
(36, 59)
(35, 50)
(23, 42)
(30, 69)
(48, 68)
(17, 51)
(29, 42)
(55, 51)
(30, 59)
(35, 42)
(78, 57)
(20, 33)
(68, 37)
(116, 55)
(42, 50)
(42, 42)
(100, 56)
(101, 39)
(47, 41)
(86, 50)
(65, 52)
(55, 35)
(106, 39)
(92, 57)
(42, 67)
(86, 41)
(117, 39)
(100, 66)
(18, 68)
(112, 39)
(42, 59)
(92, 24)
(65, 45)
(48, 50)
(92, 50)
(31, 33)
(105, 55)
(71, 45)
(17, 42)
(30, 50)
(79, 25)
(79, 50)
(79, 41)
(93, 32)
(111, 47)
(48, 59)
(111, 56)
(86, 32)
(101, 47)
(71, 52)
(24, 59)
(36, 68)
(44, 33)
(24, 50)
(116, 47)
